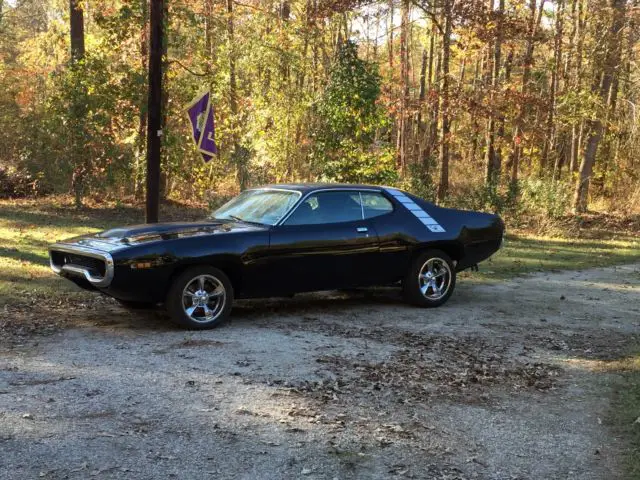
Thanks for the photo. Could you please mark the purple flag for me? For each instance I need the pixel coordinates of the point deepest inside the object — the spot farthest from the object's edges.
(200, 113)
(207, 141)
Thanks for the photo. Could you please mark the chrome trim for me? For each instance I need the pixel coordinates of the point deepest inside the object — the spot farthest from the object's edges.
(79, 270)
(428, 279)
(200, 298)
(335, 189)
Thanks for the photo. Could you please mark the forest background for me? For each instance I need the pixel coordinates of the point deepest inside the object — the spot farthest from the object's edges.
(527, 108)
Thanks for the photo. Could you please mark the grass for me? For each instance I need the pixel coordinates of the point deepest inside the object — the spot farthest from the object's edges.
(625, 418)
(624, 412)
(27, 227)
(524, 253)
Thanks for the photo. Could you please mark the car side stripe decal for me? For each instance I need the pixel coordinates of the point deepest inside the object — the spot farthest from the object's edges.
(419, 212)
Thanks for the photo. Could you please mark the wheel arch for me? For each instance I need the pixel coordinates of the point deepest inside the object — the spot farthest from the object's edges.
(454, 249)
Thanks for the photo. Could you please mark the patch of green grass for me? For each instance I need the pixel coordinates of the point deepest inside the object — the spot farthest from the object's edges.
(624, 416)
(27, 227)
(524, 254)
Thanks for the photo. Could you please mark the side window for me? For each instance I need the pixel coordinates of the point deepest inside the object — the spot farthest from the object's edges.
(327, 207)
(375, 204)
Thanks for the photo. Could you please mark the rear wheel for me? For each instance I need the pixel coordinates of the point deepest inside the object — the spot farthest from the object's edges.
(200, 298)
(430, 280)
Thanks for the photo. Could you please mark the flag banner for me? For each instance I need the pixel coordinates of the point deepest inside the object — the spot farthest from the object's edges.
(200, 113)
(207, 140)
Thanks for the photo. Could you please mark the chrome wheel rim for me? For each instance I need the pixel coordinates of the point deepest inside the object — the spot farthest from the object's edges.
(203, 298)
(434, 278)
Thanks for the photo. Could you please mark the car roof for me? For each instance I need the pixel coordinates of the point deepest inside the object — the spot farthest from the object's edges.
(309, 187)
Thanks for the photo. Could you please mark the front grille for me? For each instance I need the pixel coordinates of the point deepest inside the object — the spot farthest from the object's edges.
(96, 266)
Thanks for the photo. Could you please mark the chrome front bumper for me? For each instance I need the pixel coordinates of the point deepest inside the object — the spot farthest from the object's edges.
(79, 270)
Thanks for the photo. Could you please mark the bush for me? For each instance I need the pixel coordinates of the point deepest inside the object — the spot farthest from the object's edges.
(549, 198)
(420, 180)
(21, 184)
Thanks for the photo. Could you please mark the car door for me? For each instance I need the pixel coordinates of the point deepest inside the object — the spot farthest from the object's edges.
(324, 244)
(390, 225)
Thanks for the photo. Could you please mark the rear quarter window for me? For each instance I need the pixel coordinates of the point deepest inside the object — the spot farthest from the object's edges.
(375, 204)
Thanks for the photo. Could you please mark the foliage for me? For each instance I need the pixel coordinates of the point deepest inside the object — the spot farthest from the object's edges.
(420, 180)
(348, 118)
(335, 93)
(20, 184)
(623, 413)
(547, 197)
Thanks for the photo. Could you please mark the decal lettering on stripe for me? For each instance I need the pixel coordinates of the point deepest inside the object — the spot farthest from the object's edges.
(418, 211)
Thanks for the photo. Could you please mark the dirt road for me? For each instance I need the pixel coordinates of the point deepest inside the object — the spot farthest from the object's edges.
(497, 384)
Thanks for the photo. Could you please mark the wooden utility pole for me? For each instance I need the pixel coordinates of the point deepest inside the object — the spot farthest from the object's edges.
(76, 24)
(78, 104)
(154, 109)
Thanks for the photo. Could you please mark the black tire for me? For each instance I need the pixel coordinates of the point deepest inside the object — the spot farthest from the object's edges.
(179, 296)
(135, 305)
(413, 284)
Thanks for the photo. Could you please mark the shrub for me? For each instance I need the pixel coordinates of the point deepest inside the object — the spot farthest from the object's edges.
(20, 184)
(550, 198)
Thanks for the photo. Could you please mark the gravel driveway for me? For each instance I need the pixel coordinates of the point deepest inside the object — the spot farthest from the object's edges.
(497, 384)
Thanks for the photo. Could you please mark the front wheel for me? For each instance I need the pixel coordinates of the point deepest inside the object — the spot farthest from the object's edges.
(430, 280)
(200, 298)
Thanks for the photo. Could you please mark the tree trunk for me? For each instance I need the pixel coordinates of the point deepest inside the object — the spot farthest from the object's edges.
(403, 124)
(390, 45)
(421, 97)
(596, 126)
(443, 185)
(534, 23)
(239, 157)
(549, 140)
(432, 121)
(494, 161)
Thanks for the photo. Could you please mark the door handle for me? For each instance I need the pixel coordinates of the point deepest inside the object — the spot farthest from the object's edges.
(362, 229)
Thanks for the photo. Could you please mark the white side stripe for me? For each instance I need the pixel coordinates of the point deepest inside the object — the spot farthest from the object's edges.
(414, 208)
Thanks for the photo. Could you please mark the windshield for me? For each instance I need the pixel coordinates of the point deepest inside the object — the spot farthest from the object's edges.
(258, 206)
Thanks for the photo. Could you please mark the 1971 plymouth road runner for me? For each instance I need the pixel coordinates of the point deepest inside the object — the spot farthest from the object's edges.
(282, 239)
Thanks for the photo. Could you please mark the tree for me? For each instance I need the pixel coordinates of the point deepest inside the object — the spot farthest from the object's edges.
(348, 118)
(443, 185)
(533, 24)
(494, 155)
(603, 83)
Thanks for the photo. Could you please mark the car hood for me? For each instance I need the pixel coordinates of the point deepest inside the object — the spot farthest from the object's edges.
(122, 237)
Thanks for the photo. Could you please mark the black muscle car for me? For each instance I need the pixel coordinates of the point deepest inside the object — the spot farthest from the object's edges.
(279, 240)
